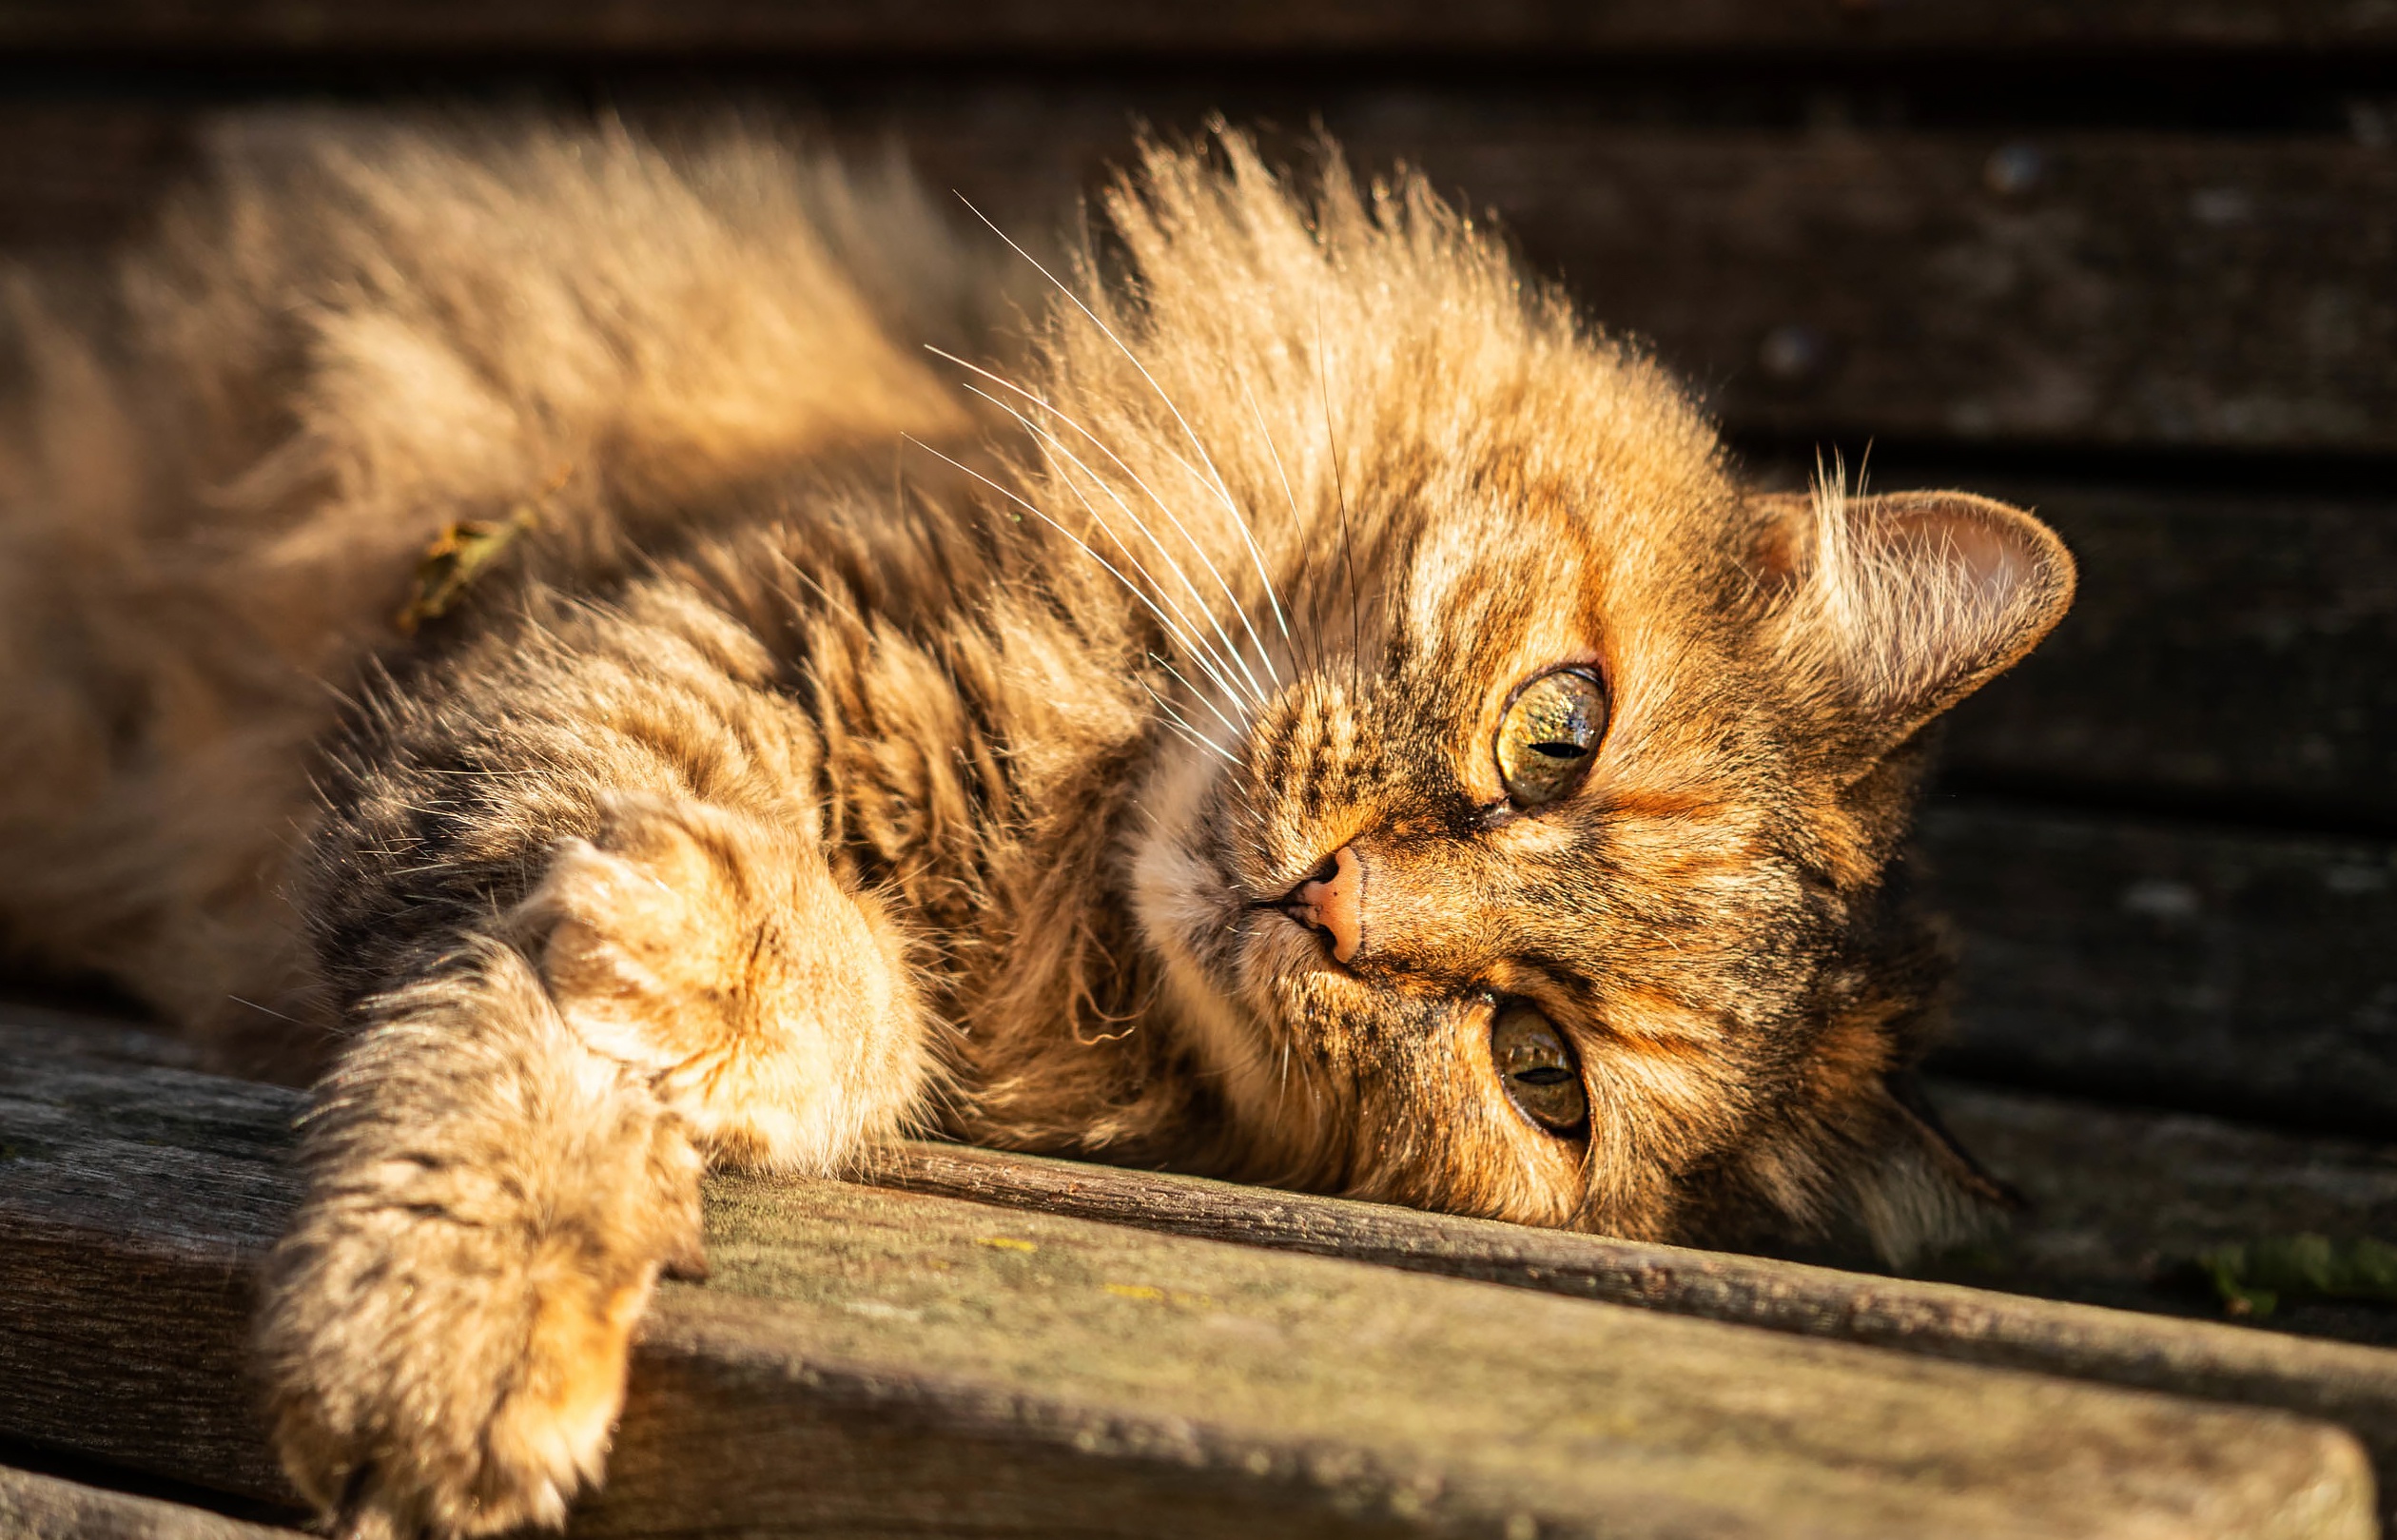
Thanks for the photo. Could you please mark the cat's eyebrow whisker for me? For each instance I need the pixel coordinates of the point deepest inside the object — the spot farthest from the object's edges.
(1162, 506)
(1194, 642)
(1339, 483)
(1222, 490)
(1080, 543)
(1298, 527)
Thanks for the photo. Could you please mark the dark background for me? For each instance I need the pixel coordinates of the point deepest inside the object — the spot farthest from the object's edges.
(2130, 262)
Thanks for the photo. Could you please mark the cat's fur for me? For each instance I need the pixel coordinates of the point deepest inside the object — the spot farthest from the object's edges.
(789, 784)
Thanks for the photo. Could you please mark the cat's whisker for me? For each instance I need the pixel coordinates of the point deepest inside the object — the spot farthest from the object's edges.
(1192, 642)
(1297, 526)
(1080, 543)
(1339, 485)
(1163, 507)
(1239, 521)
(1199, 695)
(1222, 488)
(1194, 740)
(1176, 722)
(1175, 714)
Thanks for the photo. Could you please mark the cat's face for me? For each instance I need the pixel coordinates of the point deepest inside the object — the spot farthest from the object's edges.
(1548, 885)
(1539, 871)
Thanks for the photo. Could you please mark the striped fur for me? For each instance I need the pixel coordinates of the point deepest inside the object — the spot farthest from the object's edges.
(864, 737)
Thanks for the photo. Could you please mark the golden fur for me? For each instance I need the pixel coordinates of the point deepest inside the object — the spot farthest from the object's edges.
(860, 738)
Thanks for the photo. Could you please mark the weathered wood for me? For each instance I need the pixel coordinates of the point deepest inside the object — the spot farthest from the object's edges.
(1380, 1401)
(2354, 1385)
(37, 1507)
(2122, 1201)
(2237, 651)
(143, 1192)
(2085, 288)
(1069, 28)
(909, 1362)
(2170, 964)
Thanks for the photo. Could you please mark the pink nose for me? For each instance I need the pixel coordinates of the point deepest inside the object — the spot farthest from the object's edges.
(1334, 906)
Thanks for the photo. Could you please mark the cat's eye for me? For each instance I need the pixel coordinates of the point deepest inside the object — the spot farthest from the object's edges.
(1538, 1068)
(1550, 736)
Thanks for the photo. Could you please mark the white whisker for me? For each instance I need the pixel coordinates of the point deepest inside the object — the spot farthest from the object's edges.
(1181, 725)
(1297, 525)
(1197, 695)
(1102, 445)
(1083, 545)
(1221, 490)
(1339, 486)
(1193, 643)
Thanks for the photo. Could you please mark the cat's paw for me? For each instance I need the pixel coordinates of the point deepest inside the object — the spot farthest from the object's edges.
(715, 953)
(444, 1332)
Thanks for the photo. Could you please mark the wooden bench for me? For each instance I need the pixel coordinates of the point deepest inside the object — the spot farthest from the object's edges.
(2133, 263)
(969, 1342)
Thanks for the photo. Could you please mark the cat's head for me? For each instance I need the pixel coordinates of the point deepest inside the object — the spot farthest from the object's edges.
(1518, 836)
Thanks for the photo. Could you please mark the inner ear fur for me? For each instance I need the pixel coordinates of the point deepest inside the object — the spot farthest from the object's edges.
(1923, 1192)
(1902, 604)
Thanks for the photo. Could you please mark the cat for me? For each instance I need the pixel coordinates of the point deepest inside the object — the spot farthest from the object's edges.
(633, 656)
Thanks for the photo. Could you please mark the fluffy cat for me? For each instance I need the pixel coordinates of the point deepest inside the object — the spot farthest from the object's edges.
(1297, 704)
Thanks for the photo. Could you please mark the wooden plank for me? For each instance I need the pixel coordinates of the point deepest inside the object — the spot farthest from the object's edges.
(149, 1192)
(2241, 971)
(2108, 1206)
(1400, 1403)
(2116, 1196)
(2078, 289)
(37, 1507)
(1069, 28)
(2123, 1200)
(1973, 287)
(879, 1348)
(2234, 651)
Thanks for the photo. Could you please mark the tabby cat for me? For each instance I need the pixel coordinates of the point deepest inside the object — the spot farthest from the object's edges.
(630, 657)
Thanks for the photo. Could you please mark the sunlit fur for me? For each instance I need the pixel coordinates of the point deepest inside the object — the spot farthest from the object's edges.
(868, 737)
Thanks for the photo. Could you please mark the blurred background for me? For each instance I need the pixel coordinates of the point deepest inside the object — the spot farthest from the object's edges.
(2133, 262)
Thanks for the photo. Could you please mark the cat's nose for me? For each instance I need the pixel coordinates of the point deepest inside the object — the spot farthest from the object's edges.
(1332, 903)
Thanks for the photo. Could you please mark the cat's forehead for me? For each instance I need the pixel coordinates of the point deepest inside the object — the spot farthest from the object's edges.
(1539, 573)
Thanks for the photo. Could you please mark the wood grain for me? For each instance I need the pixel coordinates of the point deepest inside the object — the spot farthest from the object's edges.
(2212, 968)
(37, 1507)
(2353, 1384)
(149, 1192)
(1381, 1401)
(2122, 1200)
(1053, 27)
(901, 1361)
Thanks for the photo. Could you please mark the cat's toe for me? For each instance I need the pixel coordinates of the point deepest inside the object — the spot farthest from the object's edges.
(445, 1331)
(461, 1405)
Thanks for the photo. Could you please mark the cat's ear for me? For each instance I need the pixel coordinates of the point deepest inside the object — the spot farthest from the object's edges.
(1901, 605)
(1924, 1191)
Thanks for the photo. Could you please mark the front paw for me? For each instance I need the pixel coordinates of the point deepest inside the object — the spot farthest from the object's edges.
(445, 1331)
(715, 953)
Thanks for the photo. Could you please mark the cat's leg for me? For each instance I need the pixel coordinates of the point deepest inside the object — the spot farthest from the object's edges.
(508, 1158)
